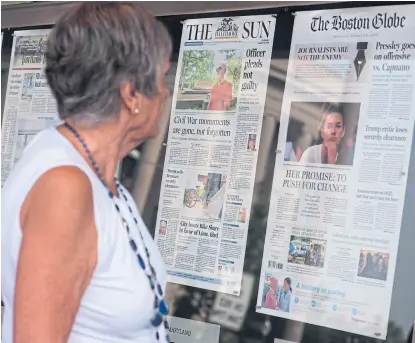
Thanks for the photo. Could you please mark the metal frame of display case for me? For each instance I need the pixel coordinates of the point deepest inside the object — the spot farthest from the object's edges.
(36, 13)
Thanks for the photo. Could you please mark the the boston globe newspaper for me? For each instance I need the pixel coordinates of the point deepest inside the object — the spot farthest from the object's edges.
(341, 169)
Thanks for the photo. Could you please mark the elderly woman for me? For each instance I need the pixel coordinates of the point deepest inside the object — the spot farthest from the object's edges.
(78, 264)
(332, 132)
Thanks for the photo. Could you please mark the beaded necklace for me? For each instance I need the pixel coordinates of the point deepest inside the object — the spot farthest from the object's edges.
(160, 305)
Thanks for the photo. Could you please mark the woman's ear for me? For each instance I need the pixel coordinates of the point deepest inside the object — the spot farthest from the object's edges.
(130, 97)
(127, 95)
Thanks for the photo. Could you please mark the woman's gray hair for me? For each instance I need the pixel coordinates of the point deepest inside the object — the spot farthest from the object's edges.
(96, 47)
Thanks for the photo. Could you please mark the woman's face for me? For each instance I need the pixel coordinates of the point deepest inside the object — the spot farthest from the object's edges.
(155, 105)
(333, 128)
(144, 124)
(286, 285)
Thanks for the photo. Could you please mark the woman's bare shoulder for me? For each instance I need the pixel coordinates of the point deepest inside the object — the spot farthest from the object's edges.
(310, 155)
(62, 192)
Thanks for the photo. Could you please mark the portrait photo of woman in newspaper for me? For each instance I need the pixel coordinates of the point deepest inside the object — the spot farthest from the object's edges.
(322, 133)
(332, 131)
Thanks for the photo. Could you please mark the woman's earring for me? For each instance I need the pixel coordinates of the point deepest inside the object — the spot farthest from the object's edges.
(136, 111)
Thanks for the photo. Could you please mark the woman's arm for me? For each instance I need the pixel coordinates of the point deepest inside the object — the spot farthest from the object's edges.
(57, 256)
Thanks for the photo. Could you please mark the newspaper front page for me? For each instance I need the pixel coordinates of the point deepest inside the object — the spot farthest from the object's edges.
(341, 169)
(212, 150)
(29, 105)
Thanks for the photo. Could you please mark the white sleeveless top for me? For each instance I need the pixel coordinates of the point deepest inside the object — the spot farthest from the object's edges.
(118, 303)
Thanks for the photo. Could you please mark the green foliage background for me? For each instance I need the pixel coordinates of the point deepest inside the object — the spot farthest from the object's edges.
(199, 65)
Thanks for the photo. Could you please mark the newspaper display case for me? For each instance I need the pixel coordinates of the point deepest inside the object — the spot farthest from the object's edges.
(211, 314)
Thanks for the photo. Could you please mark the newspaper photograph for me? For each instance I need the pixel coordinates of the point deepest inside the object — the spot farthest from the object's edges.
(29, 105)
(341, 168)
(212, 150)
